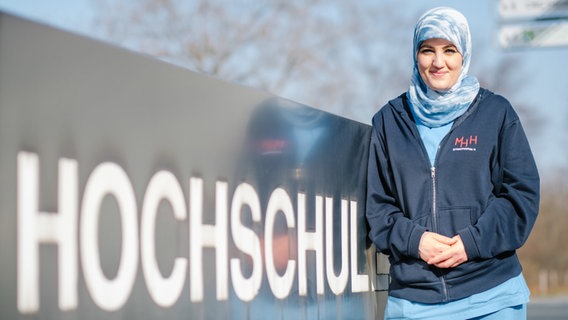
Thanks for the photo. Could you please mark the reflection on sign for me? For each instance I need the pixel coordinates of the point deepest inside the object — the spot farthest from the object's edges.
(36, 227)
(516, 9)
(536, 34)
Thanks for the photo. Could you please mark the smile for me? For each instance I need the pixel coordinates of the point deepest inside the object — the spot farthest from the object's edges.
(438, 74)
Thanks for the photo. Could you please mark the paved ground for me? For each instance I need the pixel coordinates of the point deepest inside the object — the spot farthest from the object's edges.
(548, 309)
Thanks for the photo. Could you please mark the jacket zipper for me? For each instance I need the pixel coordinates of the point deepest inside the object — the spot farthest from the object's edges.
(435, 224)
(434, 220)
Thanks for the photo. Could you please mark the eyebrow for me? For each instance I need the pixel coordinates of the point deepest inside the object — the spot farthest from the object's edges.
(423, 45)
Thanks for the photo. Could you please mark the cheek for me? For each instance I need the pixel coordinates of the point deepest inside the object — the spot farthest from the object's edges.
(456, 64)
(422, 62)
(422, 66)
(457, 74)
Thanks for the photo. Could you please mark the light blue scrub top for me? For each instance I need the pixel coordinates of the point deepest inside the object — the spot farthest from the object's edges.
(431, 137)
(511, 293)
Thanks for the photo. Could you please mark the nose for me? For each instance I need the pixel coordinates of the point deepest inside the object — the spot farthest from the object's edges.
(438, 61)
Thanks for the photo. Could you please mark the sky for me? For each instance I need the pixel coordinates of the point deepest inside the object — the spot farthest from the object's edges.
(544, 68)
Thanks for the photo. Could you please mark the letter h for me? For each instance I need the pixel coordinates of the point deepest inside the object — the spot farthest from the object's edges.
(35, 227)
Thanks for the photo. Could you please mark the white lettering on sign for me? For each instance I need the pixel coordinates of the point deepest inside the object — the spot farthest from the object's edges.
(359, 282)
(109, 179)
(337, 283)
(74, 229)
(164, 291)
(279, 202)
(207, 236)
(247, 242)
(310, 241)
(35, 227)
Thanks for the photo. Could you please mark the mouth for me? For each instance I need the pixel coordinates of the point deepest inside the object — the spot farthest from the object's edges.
(438, 74)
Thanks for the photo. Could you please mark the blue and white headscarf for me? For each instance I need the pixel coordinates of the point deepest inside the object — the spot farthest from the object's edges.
(437, 108)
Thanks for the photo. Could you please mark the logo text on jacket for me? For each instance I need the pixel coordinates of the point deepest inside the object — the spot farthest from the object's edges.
(465, 143)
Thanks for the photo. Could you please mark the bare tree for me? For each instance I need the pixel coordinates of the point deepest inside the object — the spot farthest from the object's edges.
(329, 54)
(347, 57)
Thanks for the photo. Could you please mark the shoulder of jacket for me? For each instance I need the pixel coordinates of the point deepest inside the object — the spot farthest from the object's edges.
(394, 105)
(493, 98)
(496, 101)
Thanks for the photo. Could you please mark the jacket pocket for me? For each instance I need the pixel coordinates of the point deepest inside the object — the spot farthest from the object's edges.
(451, 220)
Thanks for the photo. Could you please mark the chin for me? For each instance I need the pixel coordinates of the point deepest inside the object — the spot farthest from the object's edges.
(440, 87)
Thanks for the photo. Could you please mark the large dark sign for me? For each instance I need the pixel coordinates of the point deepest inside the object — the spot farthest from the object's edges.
(134, 189)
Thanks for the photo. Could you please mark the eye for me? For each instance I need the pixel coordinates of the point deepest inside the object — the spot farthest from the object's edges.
(425, 50)
(451, 50)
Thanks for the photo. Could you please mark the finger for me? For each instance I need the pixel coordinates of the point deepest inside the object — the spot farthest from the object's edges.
(443, 239)
(444, 264)
(440, 258)
(448, 257)
(446, 260)
(451, 262)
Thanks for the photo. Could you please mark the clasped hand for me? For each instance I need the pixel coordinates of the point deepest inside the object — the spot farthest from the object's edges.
(441, 251)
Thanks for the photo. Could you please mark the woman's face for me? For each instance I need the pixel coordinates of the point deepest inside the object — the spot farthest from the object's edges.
(439, 64)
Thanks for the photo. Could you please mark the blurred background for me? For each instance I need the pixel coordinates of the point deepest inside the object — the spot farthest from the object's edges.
(350, 58)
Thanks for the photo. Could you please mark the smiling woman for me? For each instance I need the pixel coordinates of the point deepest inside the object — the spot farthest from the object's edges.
(432, 105)
(452, 187)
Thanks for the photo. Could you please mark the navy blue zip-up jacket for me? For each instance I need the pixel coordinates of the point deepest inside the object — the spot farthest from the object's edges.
(483, 186)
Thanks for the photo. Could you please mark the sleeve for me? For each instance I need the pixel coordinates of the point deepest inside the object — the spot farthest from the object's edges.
(391, 232)
(507, 221)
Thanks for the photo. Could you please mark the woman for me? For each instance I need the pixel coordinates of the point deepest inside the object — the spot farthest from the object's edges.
(453, 189)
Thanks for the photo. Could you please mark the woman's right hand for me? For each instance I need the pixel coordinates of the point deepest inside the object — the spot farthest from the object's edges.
(433, 244)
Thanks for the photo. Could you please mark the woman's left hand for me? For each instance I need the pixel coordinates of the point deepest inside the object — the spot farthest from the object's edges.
(452, 257)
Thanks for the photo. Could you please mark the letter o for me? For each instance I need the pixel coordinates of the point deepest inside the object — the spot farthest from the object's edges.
(109, 179)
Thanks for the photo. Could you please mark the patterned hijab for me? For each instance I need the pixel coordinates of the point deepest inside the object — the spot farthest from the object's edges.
(437, 108)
